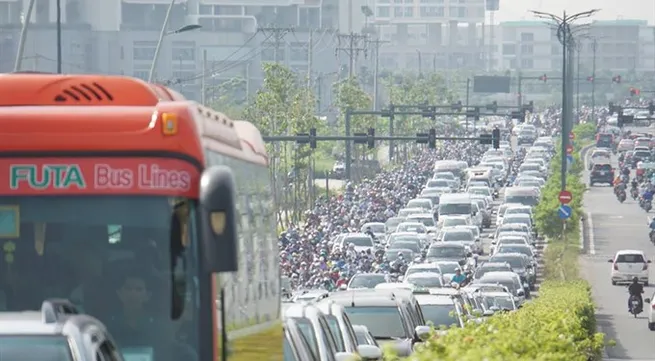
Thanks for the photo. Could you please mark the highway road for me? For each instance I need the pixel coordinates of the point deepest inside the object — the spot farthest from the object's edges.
(614, 226)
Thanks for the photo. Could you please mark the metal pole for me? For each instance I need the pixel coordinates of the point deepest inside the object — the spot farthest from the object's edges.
(391, 126)
(468, 91)
(162, 33)
(351, 63)
(58, 36)
(376, 73)
(564, 101)
(593, 83)
(520, 96)
(203, 81)
(348, 159)
(577, 85)
(569, 78)
(420, 68)
(23, 36)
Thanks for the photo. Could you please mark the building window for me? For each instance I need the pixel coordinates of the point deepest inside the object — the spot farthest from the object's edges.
(462, 13)
(527, 64)
(143, 53)
(527, 37)
(509, 49)
(383, 11)
(512, 64)
(269, 54)
(509, 34)
(409, 12)
(228, 10)
(205, 10)
(308, 17)
(42, 11)
(298, 52)
(556, 49)
(141, 74)
(183, 54)
(398, 12)
(527, 49)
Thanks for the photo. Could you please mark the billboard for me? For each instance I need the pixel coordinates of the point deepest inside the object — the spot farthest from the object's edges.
(491, 84)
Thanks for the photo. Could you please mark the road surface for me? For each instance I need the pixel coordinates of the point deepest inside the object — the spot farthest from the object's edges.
(612, 227)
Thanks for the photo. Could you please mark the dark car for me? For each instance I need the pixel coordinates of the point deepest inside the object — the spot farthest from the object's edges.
(604, 140)
(601, 173)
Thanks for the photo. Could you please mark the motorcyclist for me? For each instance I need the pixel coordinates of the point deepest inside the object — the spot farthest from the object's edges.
(647, 196)
(370, 232)
(634, 184)
(635, 289)
(652, 228)
(458, 277)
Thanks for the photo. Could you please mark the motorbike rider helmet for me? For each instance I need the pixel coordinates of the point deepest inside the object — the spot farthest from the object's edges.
(635, 279)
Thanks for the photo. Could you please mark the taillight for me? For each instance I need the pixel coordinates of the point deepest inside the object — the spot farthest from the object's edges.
(616, 267)
(645, 267)
(652, 306)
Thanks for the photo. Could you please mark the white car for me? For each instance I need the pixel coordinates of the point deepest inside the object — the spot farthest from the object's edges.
(651, 311)
(628, 264)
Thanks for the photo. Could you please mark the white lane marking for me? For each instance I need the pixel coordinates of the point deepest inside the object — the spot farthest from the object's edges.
(592, 241)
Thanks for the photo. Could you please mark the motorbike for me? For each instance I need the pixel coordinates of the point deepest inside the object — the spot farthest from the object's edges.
(621, 196)
(635, 306)
(651, 235)
(634, 192)
(646, 205)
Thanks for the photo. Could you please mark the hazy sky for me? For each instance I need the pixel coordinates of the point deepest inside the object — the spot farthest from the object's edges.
(609, 9)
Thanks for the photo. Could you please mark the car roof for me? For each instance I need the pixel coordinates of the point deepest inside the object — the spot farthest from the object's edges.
(417, 215)
(447, 245)
(494, 264)
(432, 299)
(423, 265)
(424, 275)
(630, 251)
(369, 298)
(498, 275)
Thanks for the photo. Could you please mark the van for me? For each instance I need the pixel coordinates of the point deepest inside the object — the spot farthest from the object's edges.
(455, 204)
(453, 166)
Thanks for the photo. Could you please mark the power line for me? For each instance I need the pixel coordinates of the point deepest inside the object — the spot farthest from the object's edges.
(354, 44)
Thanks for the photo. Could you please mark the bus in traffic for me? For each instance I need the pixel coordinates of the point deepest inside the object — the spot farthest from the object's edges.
(150, 212)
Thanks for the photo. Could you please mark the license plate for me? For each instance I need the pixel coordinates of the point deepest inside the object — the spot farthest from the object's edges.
(602, 173)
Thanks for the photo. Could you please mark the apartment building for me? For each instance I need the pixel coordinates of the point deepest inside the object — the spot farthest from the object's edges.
(533, 47)
(446, 32)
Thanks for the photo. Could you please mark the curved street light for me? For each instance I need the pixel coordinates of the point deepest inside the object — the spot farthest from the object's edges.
(162, 34)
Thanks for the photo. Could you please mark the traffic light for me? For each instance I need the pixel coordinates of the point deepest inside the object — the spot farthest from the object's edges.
(371, 138)
(432, 139)
(493, 106)
(473, 113)
(518, 115)
(651, 108)
(312, 138)
(634, 91)
(429, 112)
(616, 79)
(590, 79)
(495, 138)
(456, 106)
(544, 78)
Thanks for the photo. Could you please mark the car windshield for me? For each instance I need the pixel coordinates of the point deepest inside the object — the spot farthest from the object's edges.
(359, 241)
(307, 330)
(335, 331)
(427, 221)
(517, 220)
(452, 222)
(413, 246)
(515, 262)
(394, 254)
(528, 200)
(630, 258)
(514, 249)
(500, 302)
(419, 203)
(517, 211)
(448, 176)
(448, 268)
(509, 283)
(602, 167)
(105, 254)
(34, 348)
(484, 270)
(458, 236)
(382, 322)
(454, 208)
(367, 281)
(447, 252)
(423, 281)
(511, 240)
(438, 183)
(483, 191)
(411, 227)
(441, 316)
(413, 270)
(392, 223)
(375, 228)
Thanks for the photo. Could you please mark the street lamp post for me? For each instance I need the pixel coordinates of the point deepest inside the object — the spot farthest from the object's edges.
(162, 34)
(565, 37)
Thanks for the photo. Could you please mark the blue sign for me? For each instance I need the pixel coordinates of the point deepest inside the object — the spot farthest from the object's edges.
(564, 211)
(9, 222)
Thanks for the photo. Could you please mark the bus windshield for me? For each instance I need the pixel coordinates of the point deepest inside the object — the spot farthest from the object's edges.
(126, 260)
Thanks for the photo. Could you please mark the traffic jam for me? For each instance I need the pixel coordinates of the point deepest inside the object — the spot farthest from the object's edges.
(447, 239)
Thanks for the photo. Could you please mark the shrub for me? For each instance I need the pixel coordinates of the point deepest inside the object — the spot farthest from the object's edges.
(559, 325)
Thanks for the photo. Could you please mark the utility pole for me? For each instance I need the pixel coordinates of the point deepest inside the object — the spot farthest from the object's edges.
(203, 81)
(310, 58)
(594, 45)
(577, 79)
(420, 68)
(376, 72)
(520, 85)
(354, 44)
(278, 37)
(23, 36)
(58, 36)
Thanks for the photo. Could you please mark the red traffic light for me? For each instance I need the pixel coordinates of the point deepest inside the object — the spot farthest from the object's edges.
(616, 79)
(634, 91)
(590, 79)
(543, 78)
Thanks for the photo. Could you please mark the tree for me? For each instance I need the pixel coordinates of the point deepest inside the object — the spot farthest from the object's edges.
(229, 97)
(284, 105)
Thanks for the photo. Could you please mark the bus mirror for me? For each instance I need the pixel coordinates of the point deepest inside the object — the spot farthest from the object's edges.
(218, 228)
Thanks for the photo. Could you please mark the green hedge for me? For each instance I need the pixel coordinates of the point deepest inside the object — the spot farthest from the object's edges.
(560, 324)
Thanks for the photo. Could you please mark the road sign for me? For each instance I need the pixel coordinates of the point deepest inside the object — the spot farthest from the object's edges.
(569, 149)
(564, 211)
(572, 136)
(565, 197)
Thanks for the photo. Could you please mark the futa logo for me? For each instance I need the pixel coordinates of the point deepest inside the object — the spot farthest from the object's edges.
(57, 176)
